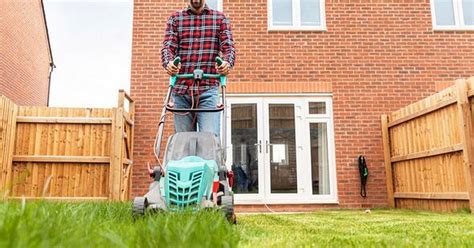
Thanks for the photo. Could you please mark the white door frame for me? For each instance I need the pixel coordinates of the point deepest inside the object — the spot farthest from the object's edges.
(302, 123)
(299, 169)
(260, 155)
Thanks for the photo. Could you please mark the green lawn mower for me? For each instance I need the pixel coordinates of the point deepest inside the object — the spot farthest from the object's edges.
(193, 173)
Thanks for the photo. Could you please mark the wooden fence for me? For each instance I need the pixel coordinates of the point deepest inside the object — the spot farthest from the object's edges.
(428, 150)
(66, 153)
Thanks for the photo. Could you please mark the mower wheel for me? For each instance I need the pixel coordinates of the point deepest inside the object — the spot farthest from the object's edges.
(139, 206)
(228, 208)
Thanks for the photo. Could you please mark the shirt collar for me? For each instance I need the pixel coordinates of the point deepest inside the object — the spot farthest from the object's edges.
(205, 10)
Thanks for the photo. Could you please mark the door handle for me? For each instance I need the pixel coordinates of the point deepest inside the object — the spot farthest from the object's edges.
(259, 144)
(267, 145)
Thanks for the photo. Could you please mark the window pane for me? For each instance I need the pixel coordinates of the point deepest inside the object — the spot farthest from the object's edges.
(468, 11)
(310, 13)
(282, 13)
(319, 158)
(444, 12)
(244, 148)
(316, 108)
(212, 4)
(282, 141)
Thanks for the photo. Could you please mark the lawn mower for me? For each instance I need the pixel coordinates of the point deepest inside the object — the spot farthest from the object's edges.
(193, 173)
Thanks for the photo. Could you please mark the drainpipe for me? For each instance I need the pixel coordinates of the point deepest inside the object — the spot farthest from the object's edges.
(51, 68)
(51, 63)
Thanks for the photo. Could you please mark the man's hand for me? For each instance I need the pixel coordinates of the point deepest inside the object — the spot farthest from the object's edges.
(172, 69)
(223, 69)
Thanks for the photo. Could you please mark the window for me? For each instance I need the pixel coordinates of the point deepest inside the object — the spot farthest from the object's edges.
(296, 15)
(317, 108)
(319, 158)
(452, 14)
(214, 4)
(318, 123)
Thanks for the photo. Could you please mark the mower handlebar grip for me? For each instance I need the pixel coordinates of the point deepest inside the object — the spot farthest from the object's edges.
(176, 61)
(219, 61)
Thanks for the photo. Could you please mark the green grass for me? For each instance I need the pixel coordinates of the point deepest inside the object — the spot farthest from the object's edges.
(49, 224)
(43, 224)
(381, 228)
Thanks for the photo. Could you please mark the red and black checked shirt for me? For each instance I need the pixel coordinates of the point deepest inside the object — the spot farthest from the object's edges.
(198, 39)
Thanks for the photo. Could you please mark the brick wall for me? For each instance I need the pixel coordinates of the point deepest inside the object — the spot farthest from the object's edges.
(376, 57)
(24, 52)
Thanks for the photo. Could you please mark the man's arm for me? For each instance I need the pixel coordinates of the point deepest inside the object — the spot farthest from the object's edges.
(227, 42)
(170, 43)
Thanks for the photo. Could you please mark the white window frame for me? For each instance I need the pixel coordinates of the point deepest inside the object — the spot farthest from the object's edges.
(458, 18)
(297, 18)
(220, 5)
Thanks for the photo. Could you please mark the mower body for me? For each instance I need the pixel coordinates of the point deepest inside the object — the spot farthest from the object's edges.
(193, 164)
(189, 181)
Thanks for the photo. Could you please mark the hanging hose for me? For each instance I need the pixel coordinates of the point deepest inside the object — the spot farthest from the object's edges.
(364, 173)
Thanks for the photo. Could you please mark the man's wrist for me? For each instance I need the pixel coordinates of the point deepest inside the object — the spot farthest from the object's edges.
(230, 64)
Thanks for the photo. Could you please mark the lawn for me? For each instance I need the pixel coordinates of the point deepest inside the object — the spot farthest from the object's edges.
(49, 224)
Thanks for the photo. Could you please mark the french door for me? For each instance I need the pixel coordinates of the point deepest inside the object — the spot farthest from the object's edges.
(281, 149)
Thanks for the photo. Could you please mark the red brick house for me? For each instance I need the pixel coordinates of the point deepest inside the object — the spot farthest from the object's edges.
(26, 61)
(312, 78)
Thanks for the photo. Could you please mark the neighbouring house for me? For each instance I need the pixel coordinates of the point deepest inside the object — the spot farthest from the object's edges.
(26, 61)
(312, 78)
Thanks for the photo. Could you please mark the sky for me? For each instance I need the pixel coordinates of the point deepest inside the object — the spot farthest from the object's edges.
(91, 41)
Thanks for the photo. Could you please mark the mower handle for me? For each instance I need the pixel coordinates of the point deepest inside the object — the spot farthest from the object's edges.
(177, 60)
(174, 78)
(171, 109)
(197, 75)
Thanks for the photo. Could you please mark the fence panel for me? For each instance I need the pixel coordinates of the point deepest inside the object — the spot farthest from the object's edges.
(70, 153)
(427, 151)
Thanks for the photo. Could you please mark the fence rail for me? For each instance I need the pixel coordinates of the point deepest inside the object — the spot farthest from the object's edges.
(428, 150)
(66, 153)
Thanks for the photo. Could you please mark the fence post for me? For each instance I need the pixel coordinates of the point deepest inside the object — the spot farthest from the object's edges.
(112, 153)
(116, 165)
(8, 119)
(121, 99)
(4, 127)
(465, 120)
(131, 147)
(388, 162)
(126, 143)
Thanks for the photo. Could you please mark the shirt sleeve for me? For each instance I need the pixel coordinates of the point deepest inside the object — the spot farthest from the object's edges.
(227, 42)
(170, 42)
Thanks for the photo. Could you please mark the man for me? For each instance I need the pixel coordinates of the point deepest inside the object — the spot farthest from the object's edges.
(197, 35)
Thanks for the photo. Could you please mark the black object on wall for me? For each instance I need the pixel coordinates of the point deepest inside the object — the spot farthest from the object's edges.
(364, 174)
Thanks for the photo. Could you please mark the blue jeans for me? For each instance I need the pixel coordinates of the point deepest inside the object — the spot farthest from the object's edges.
(205, 121)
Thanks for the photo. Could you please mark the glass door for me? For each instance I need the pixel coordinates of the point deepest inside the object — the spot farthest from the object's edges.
(244, 153)
(282, 148)
(282, 154)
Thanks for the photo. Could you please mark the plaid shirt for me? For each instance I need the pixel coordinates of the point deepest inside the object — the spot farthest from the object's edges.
(197, 39)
